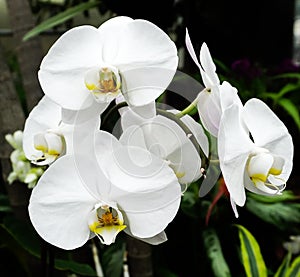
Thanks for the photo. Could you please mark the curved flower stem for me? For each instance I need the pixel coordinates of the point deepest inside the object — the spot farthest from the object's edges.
(111, 111)
(190, 107)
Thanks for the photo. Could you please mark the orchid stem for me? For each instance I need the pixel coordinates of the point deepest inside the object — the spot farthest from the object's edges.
(189, 108)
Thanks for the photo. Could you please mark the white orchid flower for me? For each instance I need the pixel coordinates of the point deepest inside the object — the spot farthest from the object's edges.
(88, 64)
(120, 188)
(43, 141)
(168, 140)
(49, 130)
(216, 97)
(262, 164)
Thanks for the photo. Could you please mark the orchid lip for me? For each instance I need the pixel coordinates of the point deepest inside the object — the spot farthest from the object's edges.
(51, 144)
(106, 222)
(104, 83)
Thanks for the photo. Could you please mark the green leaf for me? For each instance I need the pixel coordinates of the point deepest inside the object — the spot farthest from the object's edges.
(253, 261)
(283, 268)
(4, 203)
(23, 233)
(26, 237)
(292, 110)
(214, 253)
(280, 214)
(78, 268)
(287, 75)
(60, 18)
(288, 88)
(294, 270)
(113, 258)
(286, 195)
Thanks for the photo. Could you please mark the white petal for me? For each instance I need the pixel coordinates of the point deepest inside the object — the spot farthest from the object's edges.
(145, 44)
(269, 132)
(209, 110)
(197, 132)
(78, 48)
(147, 111)
(55, 143)
(190, 48)
(157, 239)
(228, 96)
(59, 206)
(81, 116)
(260, 165)
(234, 147)
(62, 70)
(66, 88)
(145, 188)
(262, 122)
(110, 32)
(90, 148)
(209, 67)
(145, 83)
(147, 62)
(233, 205)
(46, 115)
(186, 163)
(134, 136)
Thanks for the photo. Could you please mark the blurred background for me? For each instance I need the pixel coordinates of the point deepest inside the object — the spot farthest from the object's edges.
(256, 47)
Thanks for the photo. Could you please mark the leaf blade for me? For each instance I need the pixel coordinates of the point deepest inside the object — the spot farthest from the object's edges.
(253, 261)
(59, 18)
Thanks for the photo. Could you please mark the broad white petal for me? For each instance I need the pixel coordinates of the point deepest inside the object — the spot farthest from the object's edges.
(78, 48)
(59, 206)
(45, 115)
(110, 32)
(62, 70)
(147, 62)
(234, 147)
(145, 188)
(264, 125)
(66, 88)
(211, 79)
(145, 44)
(90, 151)
(145, 83)
(269, 132)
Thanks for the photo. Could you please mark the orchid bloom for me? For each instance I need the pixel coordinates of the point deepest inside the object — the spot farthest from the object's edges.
(49, 130)
(168, 140)
(43, 142)
(88, 64)
(120, 188)
(216, 97)
(261, 163)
